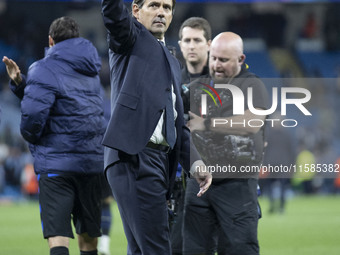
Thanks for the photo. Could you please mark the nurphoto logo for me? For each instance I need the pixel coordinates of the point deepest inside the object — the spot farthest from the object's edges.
(239, 105)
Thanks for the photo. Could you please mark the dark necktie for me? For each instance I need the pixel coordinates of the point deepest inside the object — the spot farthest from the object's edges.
(170, 122)
(169, 119)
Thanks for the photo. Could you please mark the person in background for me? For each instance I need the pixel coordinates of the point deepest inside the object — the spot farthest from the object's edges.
(280, 151)
(106, 218)
(62, 120)
(229, 210)
(194, 42)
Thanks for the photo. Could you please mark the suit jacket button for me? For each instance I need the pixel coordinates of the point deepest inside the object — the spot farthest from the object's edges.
(168, 89)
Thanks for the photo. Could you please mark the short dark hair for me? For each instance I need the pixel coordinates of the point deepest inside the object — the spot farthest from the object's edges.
(140, 4)
(63, 28)
(197, 23)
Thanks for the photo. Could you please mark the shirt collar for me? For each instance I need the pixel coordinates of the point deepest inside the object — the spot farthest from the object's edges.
(162, 41)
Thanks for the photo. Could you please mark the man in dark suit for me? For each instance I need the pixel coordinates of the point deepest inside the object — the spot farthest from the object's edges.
(146, 135)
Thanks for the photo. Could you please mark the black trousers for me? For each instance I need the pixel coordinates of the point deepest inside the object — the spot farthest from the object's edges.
(139, 184)
(226, 213)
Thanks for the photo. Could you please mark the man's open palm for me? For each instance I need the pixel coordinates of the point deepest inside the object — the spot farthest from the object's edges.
(13, 70)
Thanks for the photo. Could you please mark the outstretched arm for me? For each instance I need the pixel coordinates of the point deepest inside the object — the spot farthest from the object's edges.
(119, 24)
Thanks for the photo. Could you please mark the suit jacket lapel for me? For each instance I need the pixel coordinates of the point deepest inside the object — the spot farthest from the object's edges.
(174, 68)
(176, 80)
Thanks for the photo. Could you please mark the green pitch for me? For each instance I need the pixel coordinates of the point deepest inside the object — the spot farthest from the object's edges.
(310, 225)
(20, 231)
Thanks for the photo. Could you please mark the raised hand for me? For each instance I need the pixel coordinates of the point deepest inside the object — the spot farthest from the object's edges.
(13, 70)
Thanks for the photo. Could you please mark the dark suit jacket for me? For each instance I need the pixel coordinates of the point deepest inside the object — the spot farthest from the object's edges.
(142, 72)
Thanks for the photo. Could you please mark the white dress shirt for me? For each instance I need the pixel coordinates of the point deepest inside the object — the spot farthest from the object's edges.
(157, 136)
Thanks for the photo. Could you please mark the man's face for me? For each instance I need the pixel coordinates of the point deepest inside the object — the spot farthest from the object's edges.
(194, 46)
(155, 15)
(224, 62)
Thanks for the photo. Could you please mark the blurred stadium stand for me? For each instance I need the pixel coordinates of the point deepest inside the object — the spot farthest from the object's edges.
(7, 50)
(320, 64)
(261, 64)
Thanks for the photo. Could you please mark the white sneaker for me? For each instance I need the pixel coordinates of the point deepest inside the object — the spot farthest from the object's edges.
(104, 245)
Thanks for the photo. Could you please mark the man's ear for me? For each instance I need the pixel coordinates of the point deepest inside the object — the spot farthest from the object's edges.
(242, 58)
(50, 41)
(209, 43)
(135, 11)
